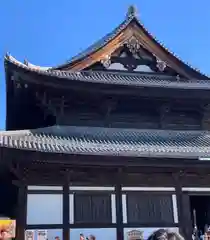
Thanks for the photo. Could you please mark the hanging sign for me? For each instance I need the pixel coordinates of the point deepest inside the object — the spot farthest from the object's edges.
(29, 235)
(42, 235)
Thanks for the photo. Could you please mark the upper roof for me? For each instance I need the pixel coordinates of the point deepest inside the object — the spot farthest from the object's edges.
(122, 78)
(130, 27)
(115, 78)
(110, 142)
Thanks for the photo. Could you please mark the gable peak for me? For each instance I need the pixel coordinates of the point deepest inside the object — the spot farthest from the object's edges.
(132, 12)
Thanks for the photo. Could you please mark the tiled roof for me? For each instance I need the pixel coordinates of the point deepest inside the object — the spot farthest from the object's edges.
(102, 42)
(131, 16)
(117, 78)
(110, 141)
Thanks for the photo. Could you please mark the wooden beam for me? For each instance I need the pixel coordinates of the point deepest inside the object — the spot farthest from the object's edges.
(21, 213)
(15, 169)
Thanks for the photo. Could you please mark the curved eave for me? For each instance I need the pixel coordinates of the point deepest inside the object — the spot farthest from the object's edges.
(115, 79)
(11, 59)
(110, 142)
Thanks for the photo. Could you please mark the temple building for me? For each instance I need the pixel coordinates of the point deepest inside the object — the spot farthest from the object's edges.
(116, 138)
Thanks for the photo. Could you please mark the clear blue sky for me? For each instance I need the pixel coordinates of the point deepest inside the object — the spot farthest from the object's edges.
(49, 32)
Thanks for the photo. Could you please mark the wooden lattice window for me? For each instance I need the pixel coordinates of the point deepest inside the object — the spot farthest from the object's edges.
(92, 208)
(149, 208)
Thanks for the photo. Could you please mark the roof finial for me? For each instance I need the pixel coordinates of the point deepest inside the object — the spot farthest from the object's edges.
(7, 55)
(25, 62)
(132, 11)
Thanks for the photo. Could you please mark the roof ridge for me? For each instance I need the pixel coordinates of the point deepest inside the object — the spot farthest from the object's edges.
(170, 51)
(130, 16)
(100, 43)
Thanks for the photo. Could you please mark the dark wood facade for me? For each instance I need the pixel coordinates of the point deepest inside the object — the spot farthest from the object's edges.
(132, 84)
(147, 188)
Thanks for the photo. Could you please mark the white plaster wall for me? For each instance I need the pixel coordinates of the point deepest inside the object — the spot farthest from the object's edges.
(44, 209)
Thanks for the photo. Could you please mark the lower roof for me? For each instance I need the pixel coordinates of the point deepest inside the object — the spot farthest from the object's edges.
(110, 141)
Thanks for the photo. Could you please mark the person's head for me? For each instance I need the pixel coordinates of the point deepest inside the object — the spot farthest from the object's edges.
(81, 236)
(160, 234)
(92, 237)
(163, 234)
(57, 238)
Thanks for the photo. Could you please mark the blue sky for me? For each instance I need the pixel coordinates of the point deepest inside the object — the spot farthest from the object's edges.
(50, 32)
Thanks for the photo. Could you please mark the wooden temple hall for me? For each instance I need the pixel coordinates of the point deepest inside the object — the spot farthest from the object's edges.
(116, 139)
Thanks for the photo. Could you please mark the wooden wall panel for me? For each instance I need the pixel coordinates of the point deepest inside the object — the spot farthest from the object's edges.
(92, 208)
(149, 208)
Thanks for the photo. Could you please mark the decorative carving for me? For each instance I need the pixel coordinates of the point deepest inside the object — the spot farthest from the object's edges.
(178, 77)
(106, 61)
(133, 45)
(52, 104)
(18, 85)
(18, 82)
(161, 65)
(45, 102)
(130, 67)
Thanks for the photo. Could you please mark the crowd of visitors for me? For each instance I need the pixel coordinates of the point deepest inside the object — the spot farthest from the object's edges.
(161, 234)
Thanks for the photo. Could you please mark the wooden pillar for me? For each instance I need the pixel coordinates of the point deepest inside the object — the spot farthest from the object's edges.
(178, 189)
(66, 235)
(183, 206)
(119, 211)
(187, 220)
(21, 212)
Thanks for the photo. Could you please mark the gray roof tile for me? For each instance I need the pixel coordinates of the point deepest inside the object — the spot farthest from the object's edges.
(107, 38)
(102, 42)
(118, 78)
(110, 141)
